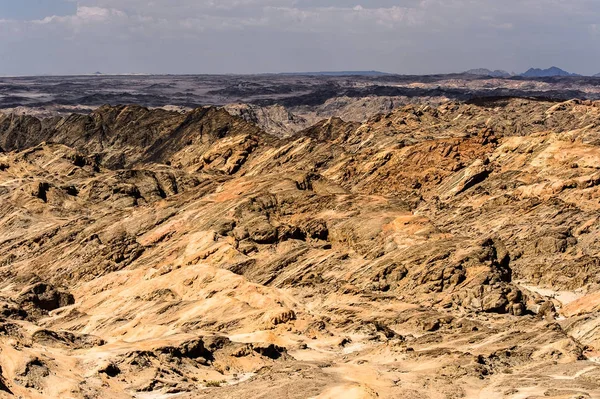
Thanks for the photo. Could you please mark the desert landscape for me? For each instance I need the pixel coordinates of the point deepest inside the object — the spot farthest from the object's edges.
(300, 236)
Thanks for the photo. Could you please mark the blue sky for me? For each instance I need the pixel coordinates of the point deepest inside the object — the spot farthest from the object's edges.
(35, 9)
(249, 36)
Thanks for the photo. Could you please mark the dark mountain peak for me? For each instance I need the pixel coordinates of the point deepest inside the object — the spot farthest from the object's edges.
(544, 73)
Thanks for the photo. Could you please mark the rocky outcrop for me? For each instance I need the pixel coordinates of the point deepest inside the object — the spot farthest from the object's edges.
(275, 119)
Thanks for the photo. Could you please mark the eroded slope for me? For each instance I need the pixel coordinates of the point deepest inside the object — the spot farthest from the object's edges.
(430, 252)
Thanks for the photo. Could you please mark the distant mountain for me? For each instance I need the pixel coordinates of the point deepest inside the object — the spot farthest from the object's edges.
(545, 73)
(337, 73)
(486, 72)
(597, 75)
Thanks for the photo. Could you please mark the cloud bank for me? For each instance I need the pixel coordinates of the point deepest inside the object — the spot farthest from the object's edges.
(248, 36)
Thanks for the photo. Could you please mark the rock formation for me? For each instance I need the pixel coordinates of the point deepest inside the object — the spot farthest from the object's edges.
(428, 252)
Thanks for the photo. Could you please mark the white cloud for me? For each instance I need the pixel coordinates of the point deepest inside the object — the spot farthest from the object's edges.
(251, 35)
(85, 15)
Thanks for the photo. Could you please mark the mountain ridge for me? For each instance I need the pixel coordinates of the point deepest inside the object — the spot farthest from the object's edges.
(549, 72)
(498, 73)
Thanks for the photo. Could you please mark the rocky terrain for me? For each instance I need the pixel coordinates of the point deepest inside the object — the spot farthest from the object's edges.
(284, 104)
(303, 95)
(440, 250)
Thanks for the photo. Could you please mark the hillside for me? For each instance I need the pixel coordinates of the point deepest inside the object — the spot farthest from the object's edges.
(427, 252)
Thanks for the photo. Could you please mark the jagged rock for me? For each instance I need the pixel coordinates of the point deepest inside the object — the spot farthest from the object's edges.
(65, 339)
(547, 311)
(45, 298)
(33, 375)
(109, 368)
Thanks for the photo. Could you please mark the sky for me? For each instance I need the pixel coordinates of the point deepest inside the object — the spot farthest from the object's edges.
(258, 36)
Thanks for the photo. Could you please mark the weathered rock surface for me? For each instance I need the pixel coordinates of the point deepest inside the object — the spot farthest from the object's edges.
(431, 252)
